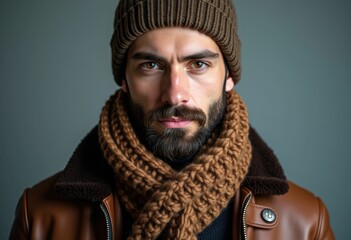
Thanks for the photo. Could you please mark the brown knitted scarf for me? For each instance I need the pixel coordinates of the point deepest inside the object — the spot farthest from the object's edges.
(178, 204)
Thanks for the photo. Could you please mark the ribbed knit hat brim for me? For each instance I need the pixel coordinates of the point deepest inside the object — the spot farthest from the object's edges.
(215, 18)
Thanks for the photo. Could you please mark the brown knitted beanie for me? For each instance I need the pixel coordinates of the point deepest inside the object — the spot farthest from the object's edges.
(215, 18)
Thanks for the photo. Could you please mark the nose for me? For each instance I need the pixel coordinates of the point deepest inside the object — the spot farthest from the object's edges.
(175, 87)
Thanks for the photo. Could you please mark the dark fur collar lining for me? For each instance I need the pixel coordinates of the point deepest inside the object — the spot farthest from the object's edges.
(87, 176)
(265, 176)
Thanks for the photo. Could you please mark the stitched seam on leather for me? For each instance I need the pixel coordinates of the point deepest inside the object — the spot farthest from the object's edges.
(25, 203)
(110, 210)
(262, 225)
(320, 218)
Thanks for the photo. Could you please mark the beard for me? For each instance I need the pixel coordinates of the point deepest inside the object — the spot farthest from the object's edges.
(176, 144)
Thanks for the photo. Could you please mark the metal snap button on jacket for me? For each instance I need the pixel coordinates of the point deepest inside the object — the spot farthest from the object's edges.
(268, 215)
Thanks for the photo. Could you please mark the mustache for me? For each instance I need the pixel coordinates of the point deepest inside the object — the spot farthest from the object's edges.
(181, 111)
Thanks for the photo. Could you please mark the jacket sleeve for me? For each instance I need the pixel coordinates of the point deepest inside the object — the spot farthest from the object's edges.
(324, 231)
(19, 229)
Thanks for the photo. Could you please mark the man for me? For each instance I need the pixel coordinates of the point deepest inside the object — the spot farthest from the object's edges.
(173, 156)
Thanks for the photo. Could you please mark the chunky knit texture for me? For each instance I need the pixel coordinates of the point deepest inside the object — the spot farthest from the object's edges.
(215, 18)
(176, 204)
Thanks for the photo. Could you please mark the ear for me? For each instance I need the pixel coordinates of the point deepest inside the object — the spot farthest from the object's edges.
(124, 86)
(229, 84)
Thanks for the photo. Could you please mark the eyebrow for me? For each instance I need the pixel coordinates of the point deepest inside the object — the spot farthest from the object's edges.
(148, 56)
(205, 54)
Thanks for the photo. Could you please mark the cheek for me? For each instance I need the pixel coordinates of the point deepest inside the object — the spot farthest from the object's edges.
(205, 95)
(145, 95)
(210, 85)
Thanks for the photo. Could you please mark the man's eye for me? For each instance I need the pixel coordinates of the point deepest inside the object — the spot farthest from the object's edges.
(198, 65)
(150, 65)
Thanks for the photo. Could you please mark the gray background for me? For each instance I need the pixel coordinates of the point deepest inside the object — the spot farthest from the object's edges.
(56, 75)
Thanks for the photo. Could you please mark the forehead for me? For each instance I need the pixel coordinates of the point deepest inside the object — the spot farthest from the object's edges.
(173, 40)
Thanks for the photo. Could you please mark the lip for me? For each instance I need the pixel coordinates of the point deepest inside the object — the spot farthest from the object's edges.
(174, 122)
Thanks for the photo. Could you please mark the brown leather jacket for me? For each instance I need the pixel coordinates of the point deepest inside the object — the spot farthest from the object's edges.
(79, 203)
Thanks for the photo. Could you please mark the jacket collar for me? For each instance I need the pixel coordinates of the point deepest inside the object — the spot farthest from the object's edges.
(265, 176)
(87, 175)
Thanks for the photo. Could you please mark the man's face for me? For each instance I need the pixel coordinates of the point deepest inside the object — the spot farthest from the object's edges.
(176, 79)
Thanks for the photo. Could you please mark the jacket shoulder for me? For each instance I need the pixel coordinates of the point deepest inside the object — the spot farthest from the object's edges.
(42, 190)
(31, 200)
(40, 209)
(300, 214)
(42, 196)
